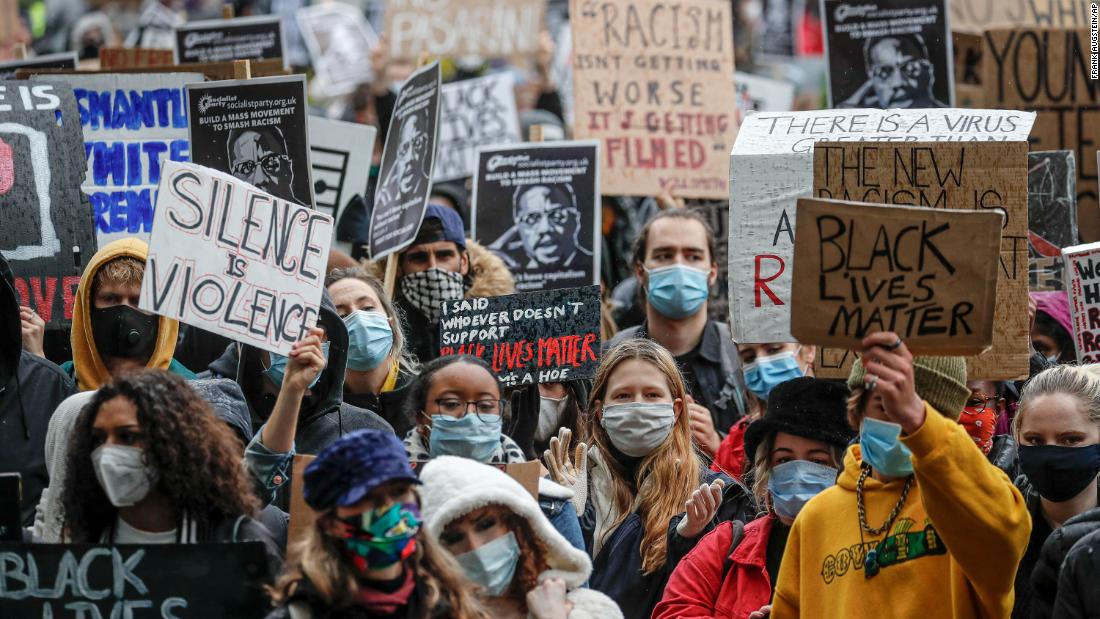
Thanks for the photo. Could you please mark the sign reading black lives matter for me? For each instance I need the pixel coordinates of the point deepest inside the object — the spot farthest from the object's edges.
(225, 40)
(408, 161)
(180, 581)
(537, 207)
(255, 130)
(1051, 215)
(233, 260)
(533, 337)
(474, 113)
(894, 54)
(46, 232)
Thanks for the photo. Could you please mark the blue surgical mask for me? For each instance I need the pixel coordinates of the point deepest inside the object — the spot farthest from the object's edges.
(792, 484)
(677, 291)
(468, 437)
(370, 339)
(278, 367)
(883, 450)
(764, 374)
(493, 565)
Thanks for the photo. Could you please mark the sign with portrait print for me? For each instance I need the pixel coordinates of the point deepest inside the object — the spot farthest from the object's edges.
(339, 40)
(1051, 215)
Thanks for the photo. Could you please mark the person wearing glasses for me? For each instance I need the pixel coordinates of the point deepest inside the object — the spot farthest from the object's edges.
(407, 177)
(259, 157)
(899, 75)
(546, 231)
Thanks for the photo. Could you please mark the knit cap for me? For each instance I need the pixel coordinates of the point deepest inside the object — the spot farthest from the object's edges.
(940, 381)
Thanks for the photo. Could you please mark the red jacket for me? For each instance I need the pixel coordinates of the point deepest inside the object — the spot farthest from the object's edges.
(730, 458)
(697, 587)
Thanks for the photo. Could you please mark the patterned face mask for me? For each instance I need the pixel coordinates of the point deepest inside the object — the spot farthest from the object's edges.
(380, 538)
(427, 290)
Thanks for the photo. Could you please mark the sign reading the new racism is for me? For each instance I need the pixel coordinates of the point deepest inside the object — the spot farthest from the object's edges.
(928, 275)
(534, 337)
(474, 113)
(221, 40)
(1083, 288)
(654, 82)
(772, 166)
(488, 28)
(1051, 215)
(231, 259)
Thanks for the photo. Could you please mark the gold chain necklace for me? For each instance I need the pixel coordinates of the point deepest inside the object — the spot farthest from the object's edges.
(870, 561)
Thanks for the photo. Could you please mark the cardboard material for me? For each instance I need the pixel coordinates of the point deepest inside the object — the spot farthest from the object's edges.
(474, 113)
(655, 89)
(212, 70)
(772, 166)
(1083, 287)
(978, 15)
(537, 206)
(221, 40)
(340, 155)
(339, 40)
(488, 28)
(64, 60)
(133, 57)
(235, 261)
(1051, 215)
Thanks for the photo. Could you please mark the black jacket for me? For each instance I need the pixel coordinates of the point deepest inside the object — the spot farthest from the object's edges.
(1045, 576)
(1078, 593)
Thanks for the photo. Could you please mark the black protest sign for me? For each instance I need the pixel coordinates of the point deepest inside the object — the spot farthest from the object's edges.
(537, 207)
(895, 54)
(780, 22)
(173, 581)
(46, 231)
(66, 60)
(533, 337)
(255, 130)
(408, 162)
(222, 40)
(1051, 215)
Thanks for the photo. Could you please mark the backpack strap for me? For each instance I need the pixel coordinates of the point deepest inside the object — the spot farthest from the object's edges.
(738, 530)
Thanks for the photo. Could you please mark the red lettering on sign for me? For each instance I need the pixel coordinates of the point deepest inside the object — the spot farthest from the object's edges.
(761, 283)
(7, 168)
(44, 305)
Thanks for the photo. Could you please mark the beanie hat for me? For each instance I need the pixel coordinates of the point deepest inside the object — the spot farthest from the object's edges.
(812, 408)
(1054, 303)
(454, 487)
(354, 465)
(940, 381)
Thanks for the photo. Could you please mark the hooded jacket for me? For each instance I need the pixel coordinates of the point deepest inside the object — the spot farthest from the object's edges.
(1044, 578)
(1078, 595)
(87, 366)
(30, 390)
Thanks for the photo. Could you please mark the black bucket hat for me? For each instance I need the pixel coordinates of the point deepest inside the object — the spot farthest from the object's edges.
(812, 408)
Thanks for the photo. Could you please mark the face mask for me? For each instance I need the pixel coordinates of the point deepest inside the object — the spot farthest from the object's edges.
(428, 290)
(492, 565)
(468, 437)
(122, 331)
(370, 339)
(1053, 359)
(550, 412)
(792, 484)
(677, 291)
(278, 367)
(123, 473)
(764, 374)
(1060, 473)
(380, 538)
(635, 428)
(881, 448)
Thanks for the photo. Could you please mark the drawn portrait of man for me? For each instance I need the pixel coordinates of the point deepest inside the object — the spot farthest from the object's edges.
(408, 177)
(259, 156)
(899, 75)
(545, 231)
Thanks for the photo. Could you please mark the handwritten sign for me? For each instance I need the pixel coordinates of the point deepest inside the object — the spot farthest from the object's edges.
(1083, 287)
(490, 28)
(772, 166)
(1051, 215)
(134, 57)
(534, 337)
(233, 260)
(474, 113)
(339, 40)
(179, 581)
(219, 40)
(979, 15)
(340, 156)
(655, 87)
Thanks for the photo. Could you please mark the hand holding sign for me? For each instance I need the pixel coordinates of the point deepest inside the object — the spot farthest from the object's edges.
(888, 367)
(305, 362)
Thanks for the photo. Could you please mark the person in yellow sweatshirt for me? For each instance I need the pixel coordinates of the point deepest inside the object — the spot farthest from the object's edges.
(919, 523)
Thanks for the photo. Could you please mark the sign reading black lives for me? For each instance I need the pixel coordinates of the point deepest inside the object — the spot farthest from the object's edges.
(46, 232)
(533, 337)
(894, 54)
(1051, 215)
(225, 40)
(170, 581)
(255, 130)
(408, 161)
(537, 206)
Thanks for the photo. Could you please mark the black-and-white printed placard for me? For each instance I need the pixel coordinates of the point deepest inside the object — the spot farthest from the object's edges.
(64, 60)
(1051, 215)
(537, 206)
(474, 113)
(256, 130)
(341, 154)
(224, 40)
(339, 39)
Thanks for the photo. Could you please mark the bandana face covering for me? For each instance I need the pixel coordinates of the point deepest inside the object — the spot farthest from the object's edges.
(428, 290)
(380, 538)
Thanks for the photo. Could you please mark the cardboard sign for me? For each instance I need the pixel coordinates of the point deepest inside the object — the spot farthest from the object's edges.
(549, 336)
(65, 60)
(220, 40)
(132, 123)
(967, 49)
(1051, 215)
(211, 70)
(655, 89)
(184, 581)
(978, 176)
(929, 275)
(1048, 71)
(231, 259)
(46, 232)
(474, 113)
(1083, 287)
(340, 155)
(772, 166)
(339, 40)
(756, 93)
(978, 15)
(256, 130)
(134, 57)
(489, 28)
(408, 161)
(891, 55)
(537, 206)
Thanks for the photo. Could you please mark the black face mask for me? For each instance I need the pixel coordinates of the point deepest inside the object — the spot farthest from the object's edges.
(122, 331)
(1060, 473)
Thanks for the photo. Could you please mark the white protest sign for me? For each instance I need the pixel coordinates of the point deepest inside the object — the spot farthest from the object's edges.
(771, 166)
(474, 113)
(756, 93)
(339, 40)
(1083, 286)
(231, 259)
(339, 155)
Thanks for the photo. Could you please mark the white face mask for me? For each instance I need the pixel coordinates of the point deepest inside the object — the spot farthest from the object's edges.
(123, 473)
(637, 428)
(550, 412)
